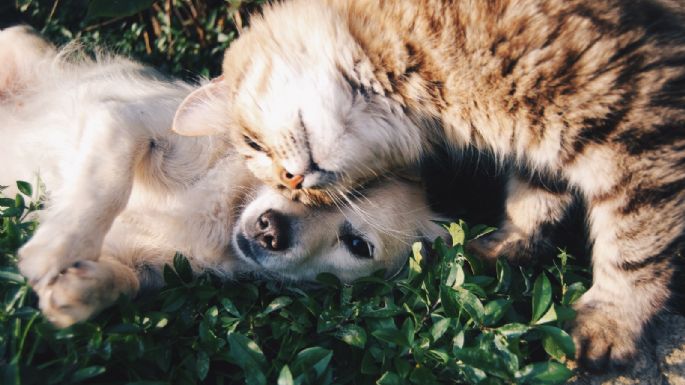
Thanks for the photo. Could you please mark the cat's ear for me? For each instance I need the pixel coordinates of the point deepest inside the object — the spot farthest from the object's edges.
(201, 113)
(22, 50)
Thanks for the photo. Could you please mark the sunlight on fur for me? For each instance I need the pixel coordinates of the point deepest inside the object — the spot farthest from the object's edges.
(124, 192)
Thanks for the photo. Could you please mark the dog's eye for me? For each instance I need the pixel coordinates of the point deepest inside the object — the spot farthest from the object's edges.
(358, 246)
(254, 145)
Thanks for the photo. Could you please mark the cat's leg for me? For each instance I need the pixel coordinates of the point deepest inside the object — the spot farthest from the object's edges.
(634, 243)
(96, 189)
(530, 208)
(86, 288)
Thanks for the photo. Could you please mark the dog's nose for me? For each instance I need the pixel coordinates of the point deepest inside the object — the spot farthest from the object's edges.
(271, 231)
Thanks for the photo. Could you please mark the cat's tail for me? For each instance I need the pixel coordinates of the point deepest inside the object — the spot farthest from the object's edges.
(22, 53)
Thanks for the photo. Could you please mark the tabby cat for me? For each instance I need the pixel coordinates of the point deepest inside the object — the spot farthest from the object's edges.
(578, 95)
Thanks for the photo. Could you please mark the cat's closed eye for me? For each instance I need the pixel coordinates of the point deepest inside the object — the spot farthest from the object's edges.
(254, 145)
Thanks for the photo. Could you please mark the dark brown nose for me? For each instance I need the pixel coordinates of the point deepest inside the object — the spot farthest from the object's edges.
(271, 231)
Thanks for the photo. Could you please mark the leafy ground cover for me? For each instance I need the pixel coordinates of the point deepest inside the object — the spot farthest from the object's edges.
(448, 319)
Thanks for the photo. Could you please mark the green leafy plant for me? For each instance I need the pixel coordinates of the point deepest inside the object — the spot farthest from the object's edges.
(448, 319)
(184, 38)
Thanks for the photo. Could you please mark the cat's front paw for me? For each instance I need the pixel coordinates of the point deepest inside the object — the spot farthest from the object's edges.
(510, 245)
(78, 293)
(602, 338)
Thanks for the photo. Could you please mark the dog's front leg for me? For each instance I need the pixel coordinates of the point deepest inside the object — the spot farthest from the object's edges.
(96, 188)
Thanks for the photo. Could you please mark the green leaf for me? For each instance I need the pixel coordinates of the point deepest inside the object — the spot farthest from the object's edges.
(392, 336)
(9, 276)
(408, 331)
(148, 383)
(480, 230)
(316, 358)
(513, 330)
(402, 366)
(439, 328)
(457, 233)
(544, 373)
(368, 365)
(247, 354)
(116, 8)
(449, 302)
(390, 378)
(329, 279)
(456, 276)
(573, 292)
(438, 355)
(25, 188)
(285, 377)
(353, 335)
(471, 304)
(86, 373)
(549, 316)
(476, 264)
(230, 307)
(19, 204)
(182, 268)
(503, 276)
(202, 365)
(422, 376)
(564, 313)
(505, 355)
(458, 340)
(495, 310)
(483, 359)
(542, 296)
(276, 304)
(557, 343)
(415, 260)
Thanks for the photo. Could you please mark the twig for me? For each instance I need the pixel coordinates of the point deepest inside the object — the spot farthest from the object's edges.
(146, 35)
(104, 23)
(198, 27)
(52, 11)
(167, 9)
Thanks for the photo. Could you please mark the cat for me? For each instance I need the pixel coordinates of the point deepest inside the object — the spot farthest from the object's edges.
(576, 95)
(124, 193)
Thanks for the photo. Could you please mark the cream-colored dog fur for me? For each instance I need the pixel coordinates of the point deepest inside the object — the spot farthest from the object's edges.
(124, 193)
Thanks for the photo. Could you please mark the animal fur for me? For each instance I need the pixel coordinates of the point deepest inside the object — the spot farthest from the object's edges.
(124, 193)
(322, 97)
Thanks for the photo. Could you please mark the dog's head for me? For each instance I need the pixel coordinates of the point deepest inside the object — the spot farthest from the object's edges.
(371, 231)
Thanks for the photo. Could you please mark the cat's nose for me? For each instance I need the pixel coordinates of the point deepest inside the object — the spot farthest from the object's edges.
(271, 231)
(292, 181)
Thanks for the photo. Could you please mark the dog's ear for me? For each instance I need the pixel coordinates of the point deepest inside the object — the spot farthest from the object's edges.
(202, 112)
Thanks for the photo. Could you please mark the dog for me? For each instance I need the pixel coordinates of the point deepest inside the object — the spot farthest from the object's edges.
(123, 193)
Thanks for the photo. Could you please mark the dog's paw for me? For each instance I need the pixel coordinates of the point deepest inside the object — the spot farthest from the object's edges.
(507, 244)
(50, 252)
(37, 264)
(78, 292)
(602, 339)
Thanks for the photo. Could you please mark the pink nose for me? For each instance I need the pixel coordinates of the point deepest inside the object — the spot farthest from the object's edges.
(294, 182)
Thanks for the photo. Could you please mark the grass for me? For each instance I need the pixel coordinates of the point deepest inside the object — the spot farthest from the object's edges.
(448, 319)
